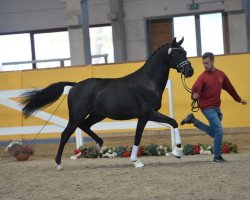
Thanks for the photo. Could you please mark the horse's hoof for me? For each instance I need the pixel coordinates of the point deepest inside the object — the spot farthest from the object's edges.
(98, 148)
(138, 164)
(177, 152)
(59, 168)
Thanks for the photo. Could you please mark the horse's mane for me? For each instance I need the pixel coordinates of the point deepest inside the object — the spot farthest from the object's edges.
(155, 52)
(147, 61)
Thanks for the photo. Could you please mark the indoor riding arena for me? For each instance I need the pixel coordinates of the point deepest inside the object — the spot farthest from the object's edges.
(112, 81)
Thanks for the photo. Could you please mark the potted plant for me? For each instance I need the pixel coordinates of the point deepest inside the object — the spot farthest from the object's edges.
(21, 151)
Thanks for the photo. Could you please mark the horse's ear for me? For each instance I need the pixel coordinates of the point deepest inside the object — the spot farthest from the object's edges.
(181, 41)
(174, 42)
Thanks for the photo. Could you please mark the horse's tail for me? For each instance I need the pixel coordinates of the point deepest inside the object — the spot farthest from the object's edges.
(34, 100)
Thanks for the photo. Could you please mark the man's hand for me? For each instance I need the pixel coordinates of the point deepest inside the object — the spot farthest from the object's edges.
(196, 95)
(244, 102)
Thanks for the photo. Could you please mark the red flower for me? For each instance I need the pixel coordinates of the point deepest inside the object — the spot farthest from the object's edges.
(126, 154)
(76, 151)
(196, 149)
(225, 149)
(140, 151)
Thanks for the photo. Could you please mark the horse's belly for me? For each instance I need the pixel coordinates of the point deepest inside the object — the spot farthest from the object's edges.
(118, 110)
(121, 116)
(120, 113)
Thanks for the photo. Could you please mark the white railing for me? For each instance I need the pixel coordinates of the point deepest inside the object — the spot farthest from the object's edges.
(60, 60)
(60, 123)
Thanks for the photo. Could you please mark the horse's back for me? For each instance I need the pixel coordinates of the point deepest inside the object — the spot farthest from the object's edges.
(108, 97)
(120, 98)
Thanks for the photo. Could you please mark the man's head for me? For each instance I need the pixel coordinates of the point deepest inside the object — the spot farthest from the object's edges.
(208, 61)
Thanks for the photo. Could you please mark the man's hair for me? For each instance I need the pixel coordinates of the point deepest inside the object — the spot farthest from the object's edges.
(208, 55)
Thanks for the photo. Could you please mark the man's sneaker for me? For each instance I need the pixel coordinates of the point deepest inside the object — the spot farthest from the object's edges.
(219, 160)
(188, 120)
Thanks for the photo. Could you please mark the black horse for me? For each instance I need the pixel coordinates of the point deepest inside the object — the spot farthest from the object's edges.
(137, 95)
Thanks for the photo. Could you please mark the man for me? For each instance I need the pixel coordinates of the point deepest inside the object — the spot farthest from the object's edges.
(207, 90)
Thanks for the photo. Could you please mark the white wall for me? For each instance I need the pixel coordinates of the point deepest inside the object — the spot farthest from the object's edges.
(26, 15)
(137, 11)
(238, 36)
(23, 15)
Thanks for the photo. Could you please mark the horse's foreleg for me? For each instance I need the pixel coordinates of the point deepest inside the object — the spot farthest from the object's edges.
(158, 117)
(139, 130)
(69, 130)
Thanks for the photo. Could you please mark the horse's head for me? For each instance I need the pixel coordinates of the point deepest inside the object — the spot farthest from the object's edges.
(178, 59)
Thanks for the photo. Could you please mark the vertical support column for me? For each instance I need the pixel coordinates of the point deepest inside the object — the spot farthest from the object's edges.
(85, 31)
(116, 16)
(246, 5)
(171, 109)
(76, 45)
(198, 35)
(79, 138)
(76, 19)
(237, 22)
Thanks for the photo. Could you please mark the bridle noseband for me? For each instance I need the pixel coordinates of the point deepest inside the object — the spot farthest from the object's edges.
(180, 66)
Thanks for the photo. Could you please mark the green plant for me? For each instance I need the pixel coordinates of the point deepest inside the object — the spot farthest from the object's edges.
(232, 147)
(120, 150)
(152, 150)
(188, 149)
(91, 152)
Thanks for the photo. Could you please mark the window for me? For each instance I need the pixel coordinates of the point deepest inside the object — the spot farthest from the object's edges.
(212, 33)
(198, 32)
(53, 45)
(101, 43)
(15, 48)
(185, 27)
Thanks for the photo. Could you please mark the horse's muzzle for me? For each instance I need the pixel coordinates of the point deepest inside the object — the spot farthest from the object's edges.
(189, 71)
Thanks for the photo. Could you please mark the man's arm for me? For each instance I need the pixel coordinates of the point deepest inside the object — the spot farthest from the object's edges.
(197, 87)
(227, 85)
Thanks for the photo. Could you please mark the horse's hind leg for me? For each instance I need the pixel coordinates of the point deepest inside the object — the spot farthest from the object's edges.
(69, 130)
(87, 123)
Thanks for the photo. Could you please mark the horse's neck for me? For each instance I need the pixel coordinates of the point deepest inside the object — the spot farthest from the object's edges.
(156, 71)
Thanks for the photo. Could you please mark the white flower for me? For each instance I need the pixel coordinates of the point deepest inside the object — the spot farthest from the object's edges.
(167, 154)
(208, 152)
(11, 144)
(109, 151)
(74, 157)
(209, 148)
(78, 155)
(105, 155)
(114, 154)
(103, 149)
(201, 151)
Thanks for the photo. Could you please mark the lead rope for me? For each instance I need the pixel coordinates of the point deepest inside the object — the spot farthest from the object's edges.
(46, 122)
(195, 102)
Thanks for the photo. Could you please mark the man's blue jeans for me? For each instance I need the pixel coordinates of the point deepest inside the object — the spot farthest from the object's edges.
(215, 129)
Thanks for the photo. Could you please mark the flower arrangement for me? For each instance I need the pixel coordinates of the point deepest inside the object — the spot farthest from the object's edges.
(15, 148)
(150, 150)
(155, 150)
(228, 147)
(121, 151)
(206, 149)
